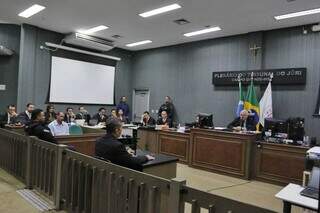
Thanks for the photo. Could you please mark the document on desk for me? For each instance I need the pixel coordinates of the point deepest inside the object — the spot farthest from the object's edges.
(220, 128)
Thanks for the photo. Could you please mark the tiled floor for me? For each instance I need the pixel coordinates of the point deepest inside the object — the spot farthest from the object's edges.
(252, 192)
(10, 200)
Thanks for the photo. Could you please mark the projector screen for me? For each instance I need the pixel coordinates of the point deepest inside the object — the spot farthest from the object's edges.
(80, 82)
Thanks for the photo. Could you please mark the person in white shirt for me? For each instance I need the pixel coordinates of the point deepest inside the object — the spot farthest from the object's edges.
(58, 126)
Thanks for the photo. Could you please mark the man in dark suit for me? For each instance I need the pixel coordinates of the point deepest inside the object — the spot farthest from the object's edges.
(39, 128)
(10, 117)
(124, 106)
(168, 107)
(165, 120)
(101, 116)
(244, 122)
(69, 116)
(25, 117)
(83, 114)
(147, 120)
(109, 148)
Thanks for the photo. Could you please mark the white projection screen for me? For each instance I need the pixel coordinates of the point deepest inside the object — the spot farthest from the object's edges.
(80, 82)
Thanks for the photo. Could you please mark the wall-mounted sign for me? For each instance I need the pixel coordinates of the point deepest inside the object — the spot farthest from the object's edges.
(288, 76)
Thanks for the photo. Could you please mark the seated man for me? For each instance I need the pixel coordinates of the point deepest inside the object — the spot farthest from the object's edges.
(69, 116)
(164, 120)
(25, 117)
(10, 117)
(244, 122)
(147, 120)
(38, 127)
(109, 148)
(58, 126)
(101, 116)
(83, 114)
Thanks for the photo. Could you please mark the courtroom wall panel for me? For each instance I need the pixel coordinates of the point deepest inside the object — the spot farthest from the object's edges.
(279, 163)
(35, 68)
(9, 65)
(175, 144)
(184, 72)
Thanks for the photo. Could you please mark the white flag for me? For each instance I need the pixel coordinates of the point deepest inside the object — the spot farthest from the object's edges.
(266, 105)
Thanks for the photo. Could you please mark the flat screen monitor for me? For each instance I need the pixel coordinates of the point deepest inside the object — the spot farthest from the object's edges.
(276, 126)
(205, 120)
(296, 128)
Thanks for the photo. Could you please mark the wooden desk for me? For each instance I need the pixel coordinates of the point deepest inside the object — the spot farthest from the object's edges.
(290, 195)
(92, 129)
(148, 140)
(175, 144)
(18, 129)
(279, 163)
(162, 166)
(222, 152)
(84, 144)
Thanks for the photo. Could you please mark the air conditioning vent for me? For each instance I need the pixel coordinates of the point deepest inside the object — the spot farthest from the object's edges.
(5, 51)
(90, 42)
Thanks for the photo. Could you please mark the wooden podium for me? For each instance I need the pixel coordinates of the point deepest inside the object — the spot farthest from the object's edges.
(222, 151)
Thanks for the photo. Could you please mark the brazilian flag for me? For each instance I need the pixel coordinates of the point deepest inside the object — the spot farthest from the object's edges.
(251, 103)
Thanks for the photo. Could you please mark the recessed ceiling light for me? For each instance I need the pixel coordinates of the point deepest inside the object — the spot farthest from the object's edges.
(34, 9)
(94, 29)
(160, 10)
(297, 14)
(138, 43)
(199, 32)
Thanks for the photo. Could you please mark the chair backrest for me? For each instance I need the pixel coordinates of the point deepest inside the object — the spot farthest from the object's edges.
(75, 130)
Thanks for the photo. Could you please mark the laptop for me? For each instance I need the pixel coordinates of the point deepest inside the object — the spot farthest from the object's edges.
(312, 190)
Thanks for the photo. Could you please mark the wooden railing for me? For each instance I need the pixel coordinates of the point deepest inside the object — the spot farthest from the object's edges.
(80, 183)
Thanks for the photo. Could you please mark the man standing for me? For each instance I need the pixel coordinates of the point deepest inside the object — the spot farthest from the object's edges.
(168, 107)
(38, 127)
(25, 117)
(109, 148)
(10, 117)
(243, 122)
(124, 106)
(58, 126)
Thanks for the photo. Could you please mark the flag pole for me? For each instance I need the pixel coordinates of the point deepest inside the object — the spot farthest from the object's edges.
(271, 77)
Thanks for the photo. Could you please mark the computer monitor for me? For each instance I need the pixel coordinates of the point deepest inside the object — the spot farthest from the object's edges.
(205, 120)
(296, 128)
(276, 126)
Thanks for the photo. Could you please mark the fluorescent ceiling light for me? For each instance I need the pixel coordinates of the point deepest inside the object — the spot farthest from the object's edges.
(199, 32)
(138, 43)
(297, 14)
(160, 10)
(94, 29)
(34, 9)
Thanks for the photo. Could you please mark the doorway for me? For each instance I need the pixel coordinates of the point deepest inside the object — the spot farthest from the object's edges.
(140, 103)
